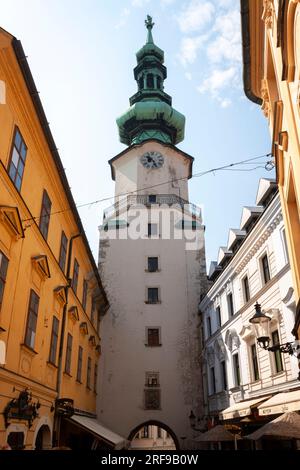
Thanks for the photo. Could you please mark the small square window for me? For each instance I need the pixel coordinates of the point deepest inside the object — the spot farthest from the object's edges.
(152, 399)
(152, 264)
(153, 297)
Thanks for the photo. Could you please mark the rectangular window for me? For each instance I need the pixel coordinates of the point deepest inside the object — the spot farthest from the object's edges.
(84, 293)
(212, 380)
(75, 276)
(32, 319)
(246, 289)
(208, 326)
(236, 370)
(68, 354)
(152, 399)
(88, 374)
(54, 340)
(45, 214)
(93, 311)
(152, 198)
(284, 243)
(3, 273)
(254, 360)
(63, 251)
(95, 378)
(152, 230)
(219, 318)
(153, 295)
(277, 354)
(79, 364)
(230, 305)
(17, 159)
(265, 269)
(153, 337)
(152, 264)
(223, 375)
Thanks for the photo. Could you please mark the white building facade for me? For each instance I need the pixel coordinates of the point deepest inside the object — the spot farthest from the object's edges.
(152, 262)
(239, 376)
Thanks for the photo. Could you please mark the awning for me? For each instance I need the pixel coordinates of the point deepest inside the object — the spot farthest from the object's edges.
(280, 403)
(285, 426)
(243, 408)
(217, 434)
(98, 430)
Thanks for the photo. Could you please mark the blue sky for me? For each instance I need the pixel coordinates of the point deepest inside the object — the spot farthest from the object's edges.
(82, 53)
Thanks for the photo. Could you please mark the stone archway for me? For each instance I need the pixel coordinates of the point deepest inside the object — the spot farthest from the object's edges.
(158, 424)
(43, 438)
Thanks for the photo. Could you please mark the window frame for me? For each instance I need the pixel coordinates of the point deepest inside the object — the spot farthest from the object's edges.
(154, 344)
(212, 379)
(68, 359)
(276, 354)
(45, 214)
(75, 276)
(223, 369)
(88, 372)
(63, 251)
(23, 159)
(4, 262)
(148, 264)
(79, 364)
(230, 305)
(95, 377)
(265, 269)
(149, 230)
(152, 289)
(208, 326)
(219, 316)
(236, 370)
(246, 288)
(32, 317)
(84, 294)
(254, 362)
(54, 340)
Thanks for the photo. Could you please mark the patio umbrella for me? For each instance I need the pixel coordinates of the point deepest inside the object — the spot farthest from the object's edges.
(217, 434)
(286, 425)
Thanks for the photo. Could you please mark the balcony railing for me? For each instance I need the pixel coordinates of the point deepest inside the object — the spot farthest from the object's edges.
(144, 199)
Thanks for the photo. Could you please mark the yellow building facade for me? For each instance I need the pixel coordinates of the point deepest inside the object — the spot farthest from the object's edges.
(51, 296)
(271, 56)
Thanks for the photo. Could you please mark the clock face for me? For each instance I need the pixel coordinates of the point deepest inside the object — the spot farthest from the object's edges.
(152, 160)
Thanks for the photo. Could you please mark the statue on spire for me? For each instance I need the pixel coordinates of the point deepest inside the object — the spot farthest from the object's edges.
(149, 25)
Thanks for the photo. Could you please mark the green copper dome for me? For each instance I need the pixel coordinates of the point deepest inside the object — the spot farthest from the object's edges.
(151, 115)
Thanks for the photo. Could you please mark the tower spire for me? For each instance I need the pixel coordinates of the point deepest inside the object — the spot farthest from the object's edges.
(149, 25)
(151, 115)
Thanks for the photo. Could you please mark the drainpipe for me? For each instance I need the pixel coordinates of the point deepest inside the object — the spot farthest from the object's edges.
(62, 335)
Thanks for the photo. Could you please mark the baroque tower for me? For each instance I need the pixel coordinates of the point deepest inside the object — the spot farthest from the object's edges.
(152, 262)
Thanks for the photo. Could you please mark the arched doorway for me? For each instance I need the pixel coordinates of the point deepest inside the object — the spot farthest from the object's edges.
(153, 435)
(43, 438)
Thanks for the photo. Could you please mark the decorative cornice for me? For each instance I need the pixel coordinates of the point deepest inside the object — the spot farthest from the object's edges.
(266, 105)
(261, 240)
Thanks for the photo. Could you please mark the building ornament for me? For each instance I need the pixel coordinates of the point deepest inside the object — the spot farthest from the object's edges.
(232, 340)
(262, 239)
(268, 13)
(266, 105)
(220, 350)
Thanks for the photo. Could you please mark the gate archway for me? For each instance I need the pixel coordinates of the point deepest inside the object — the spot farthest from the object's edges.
(159, 425)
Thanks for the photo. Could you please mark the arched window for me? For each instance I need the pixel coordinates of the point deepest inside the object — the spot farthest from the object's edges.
(150, 81)
(141, 83)
(159, 83)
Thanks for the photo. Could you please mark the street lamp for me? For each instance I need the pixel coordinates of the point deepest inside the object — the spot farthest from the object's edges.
(261, 323)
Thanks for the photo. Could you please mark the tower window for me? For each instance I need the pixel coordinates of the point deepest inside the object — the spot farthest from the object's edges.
(150, 81)
(141, 83)
(159, 83)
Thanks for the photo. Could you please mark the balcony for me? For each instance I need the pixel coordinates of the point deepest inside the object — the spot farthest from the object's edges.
(144, 199)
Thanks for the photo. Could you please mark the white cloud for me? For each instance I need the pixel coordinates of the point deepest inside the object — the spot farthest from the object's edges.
(195, 16)
(218, 80)
(166, 2)
(123, 18)
(188, 75)
(225, 102)
(189, 48)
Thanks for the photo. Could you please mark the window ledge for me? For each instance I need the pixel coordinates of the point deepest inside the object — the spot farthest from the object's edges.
(78, 382)
(28, 349)
(156, 271)
(152, 303)
(278, 374)
(153, 345)
(67, 373)
(51, 364)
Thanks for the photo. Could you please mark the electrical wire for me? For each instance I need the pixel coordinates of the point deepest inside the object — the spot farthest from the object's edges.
(196, 175)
